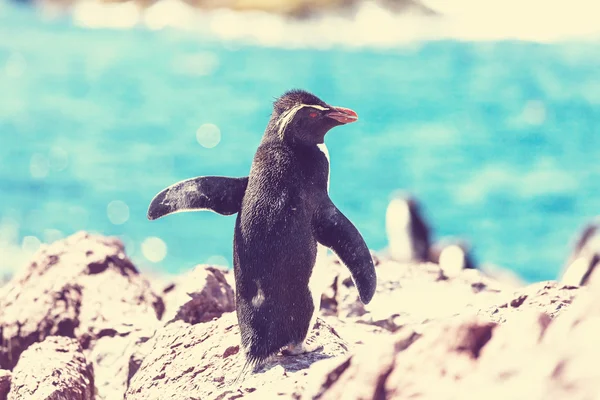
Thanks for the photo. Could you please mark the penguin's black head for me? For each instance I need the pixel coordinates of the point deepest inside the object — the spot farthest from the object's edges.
(300, 116)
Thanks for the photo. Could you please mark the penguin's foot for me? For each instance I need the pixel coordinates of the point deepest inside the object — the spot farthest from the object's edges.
(302, 348)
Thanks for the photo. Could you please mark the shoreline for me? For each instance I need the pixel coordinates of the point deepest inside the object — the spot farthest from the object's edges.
(349, 25)
(293, 9)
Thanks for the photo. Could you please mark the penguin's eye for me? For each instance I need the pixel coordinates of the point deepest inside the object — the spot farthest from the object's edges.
(313, 115)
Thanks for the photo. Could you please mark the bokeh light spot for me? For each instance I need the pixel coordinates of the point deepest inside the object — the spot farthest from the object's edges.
(118, 212)
(154, 249)
(208, 135)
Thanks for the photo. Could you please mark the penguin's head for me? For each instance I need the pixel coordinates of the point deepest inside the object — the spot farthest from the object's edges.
(300, 116)
(453, 255)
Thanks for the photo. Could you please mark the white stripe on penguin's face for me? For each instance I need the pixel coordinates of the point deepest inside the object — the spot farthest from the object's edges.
(289, 115)
(316, 106)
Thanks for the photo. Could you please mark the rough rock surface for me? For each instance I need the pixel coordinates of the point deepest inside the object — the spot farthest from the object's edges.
(82, 287)
(203, 360)
(4, 383)
(54, 369)
(410, 294)
(440, 323)
(468, 332)
(528, 356)
(114, 360)
(199, 295)
(546, 297)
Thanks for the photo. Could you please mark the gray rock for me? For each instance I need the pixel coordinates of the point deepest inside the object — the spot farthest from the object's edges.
(543, 349)
(115, 360)
(54, 369)
(202, 361)
(5, 377)
(199, 295)
(83, 287)
(473, 336)
(548, 297)
(410, 294)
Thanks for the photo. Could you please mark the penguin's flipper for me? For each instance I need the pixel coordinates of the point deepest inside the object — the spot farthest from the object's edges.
(220, 194)
(335, 231)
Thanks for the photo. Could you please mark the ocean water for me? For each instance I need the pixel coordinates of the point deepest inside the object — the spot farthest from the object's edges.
(499, 140)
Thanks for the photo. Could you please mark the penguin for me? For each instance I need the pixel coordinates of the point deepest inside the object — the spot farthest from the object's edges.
(584, 258)
(284, 218)
(407, 232)
(452, 255)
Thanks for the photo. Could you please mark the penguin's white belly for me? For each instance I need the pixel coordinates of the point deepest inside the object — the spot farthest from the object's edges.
(401, 246)
(318, 281)
(398, 226)
(575, 272)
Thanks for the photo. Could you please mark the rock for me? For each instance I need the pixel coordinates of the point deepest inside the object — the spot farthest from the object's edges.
(83, 287)
(547, 297)
(203, 360)
(4, 383)
(528, 354)
(424, 8)
(472, 335)
(404, 295)
(199, 295)
(543, 358)
(355, 332)
(54, 369)
(406, 365)
(448, 353)
(414, 294)
(295, 9)
(116, 359)
(445, 354)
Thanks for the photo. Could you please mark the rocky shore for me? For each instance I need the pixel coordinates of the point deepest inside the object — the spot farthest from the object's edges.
(297, 9)
(81, 322)
(307, 8)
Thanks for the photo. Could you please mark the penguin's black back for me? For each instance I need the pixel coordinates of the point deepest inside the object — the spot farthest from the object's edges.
(275, 247)
(420, 232)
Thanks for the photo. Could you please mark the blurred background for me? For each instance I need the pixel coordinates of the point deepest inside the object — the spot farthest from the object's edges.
(486, 111)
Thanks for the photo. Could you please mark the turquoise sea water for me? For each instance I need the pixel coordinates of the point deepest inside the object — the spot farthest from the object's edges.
(499, 141)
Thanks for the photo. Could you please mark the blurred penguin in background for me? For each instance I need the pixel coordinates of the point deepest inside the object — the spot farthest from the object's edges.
(410, 238)
(585, 256)
(452, 255)
(407, 232)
